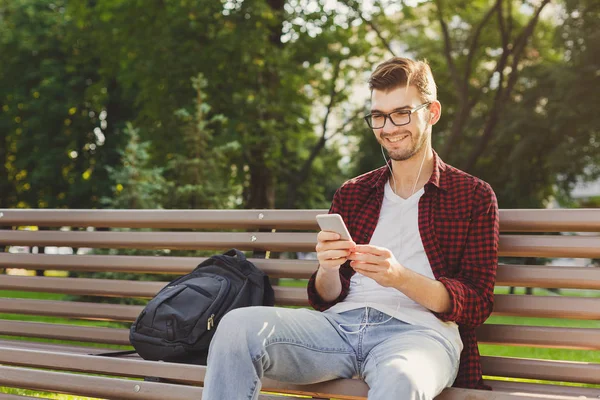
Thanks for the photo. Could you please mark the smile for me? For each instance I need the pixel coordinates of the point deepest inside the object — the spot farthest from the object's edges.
(397, 139)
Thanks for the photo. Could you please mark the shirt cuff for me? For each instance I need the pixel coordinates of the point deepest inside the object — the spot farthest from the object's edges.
(454, 290)
(317, 302)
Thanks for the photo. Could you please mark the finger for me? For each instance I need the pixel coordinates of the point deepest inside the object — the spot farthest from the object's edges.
(374, 268)
(335, 245)
(333, 255)
(325, 236)
(365, 257)
(376, 250)
(366, 273)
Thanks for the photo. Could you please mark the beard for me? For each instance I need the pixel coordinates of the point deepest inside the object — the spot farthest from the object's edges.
(414, 147)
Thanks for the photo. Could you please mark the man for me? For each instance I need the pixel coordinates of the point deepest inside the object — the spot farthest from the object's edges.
(400, 301)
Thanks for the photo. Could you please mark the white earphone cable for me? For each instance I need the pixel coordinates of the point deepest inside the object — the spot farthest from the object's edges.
(363, 325)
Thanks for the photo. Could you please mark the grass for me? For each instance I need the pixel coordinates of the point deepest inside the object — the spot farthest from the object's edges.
(489, 350)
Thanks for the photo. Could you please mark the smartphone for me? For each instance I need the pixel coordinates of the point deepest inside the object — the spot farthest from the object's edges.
(333, 223)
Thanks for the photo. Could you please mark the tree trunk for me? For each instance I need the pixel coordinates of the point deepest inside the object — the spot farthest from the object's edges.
(260, 194)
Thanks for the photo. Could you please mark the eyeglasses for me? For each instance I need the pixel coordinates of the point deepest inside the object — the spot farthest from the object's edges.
(398, 118)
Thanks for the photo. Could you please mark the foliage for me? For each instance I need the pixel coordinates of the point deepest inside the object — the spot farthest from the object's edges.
(511, 82)
(285, 83)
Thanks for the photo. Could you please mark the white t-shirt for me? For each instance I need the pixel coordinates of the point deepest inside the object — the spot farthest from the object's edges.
(398, 231)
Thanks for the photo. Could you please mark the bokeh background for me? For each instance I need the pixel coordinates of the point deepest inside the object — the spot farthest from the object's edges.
(258, 103)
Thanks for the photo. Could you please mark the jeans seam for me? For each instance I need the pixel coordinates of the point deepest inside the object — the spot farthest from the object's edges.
(295, 343)
(253, 390)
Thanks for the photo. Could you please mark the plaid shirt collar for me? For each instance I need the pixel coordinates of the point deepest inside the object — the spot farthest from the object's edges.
(438, 178)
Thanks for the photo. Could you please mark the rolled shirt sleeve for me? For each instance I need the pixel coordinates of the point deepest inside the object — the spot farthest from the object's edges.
(472, 288)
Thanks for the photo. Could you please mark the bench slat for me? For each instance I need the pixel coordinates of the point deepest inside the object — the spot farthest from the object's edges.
(6, 396)
(120, 288)
(62, 347)
(549, 246)
(163, 219)
(547, 306)
(76, 333)
(508, 275)
(540, 336)
(95, 386)
(551, 370)
(550, 220)
(164, 240)
(70, 309)
(510, 245)
(275, 268)
(511, 220)
(537, 388)
(506, 305)
(82, 286)
(125, 367)
(544, 276)
(188, 374)
(554, 337)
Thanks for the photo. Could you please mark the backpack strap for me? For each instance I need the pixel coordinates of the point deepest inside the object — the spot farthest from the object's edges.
(115, 353)
(236, 253)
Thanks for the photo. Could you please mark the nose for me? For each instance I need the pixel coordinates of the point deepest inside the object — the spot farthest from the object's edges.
(388, 127)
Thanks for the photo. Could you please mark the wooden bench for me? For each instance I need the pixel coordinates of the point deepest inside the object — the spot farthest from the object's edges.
(29, 359)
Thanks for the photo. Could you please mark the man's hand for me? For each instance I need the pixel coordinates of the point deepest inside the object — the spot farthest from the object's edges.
(331, 251)
(379, 264)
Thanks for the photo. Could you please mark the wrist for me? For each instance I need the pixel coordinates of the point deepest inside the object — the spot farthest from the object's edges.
(328, 271)
(403, 277)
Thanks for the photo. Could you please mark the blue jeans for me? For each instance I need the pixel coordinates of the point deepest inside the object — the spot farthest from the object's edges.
(397, 360)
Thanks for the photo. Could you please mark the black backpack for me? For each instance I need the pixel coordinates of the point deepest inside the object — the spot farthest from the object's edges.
(179, 322)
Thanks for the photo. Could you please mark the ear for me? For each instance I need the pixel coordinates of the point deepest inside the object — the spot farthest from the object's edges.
(435, 112)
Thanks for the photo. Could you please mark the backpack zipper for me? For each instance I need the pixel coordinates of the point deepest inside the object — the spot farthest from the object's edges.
(211, 322)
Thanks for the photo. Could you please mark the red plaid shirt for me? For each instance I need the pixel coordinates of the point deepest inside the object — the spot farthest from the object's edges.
(459, 226)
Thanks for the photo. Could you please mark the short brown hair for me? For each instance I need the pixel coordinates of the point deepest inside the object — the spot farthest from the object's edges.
(399, 72)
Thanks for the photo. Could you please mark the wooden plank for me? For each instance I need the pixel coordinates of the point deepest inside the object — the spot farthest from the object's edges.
(540, 336)
(511, 220)
(304, 242)
(547, 306)
(550, 220)
(550, 370)
(6, 396)
(539, 388)
(115, 312)
(190, 374)
(511, 305)
(122, 367)
(544, 276)
(118, 288)
(470, 394)
(95, 386)
(103, 387)
(276, 268)
(163, 219)
(61, 347)
(350, 389)
(70, 309)
(82, 286)
(114, 287)
(76, 333)
(508, 275)
(510, 245)
(549, 246)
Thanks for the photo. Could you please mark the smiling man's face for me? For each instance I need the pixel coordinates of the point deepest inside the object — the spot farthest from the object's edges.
(401, 142)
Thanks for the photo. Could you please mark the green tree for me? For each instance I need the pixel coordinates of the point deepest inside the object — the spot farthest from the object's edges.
(196, 177)
(504, 73)
(51, 105)
(136, 184)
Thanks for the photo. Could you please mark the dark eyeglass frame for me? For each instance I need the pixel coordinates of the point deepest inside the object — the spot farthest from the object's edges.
(367, 118)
